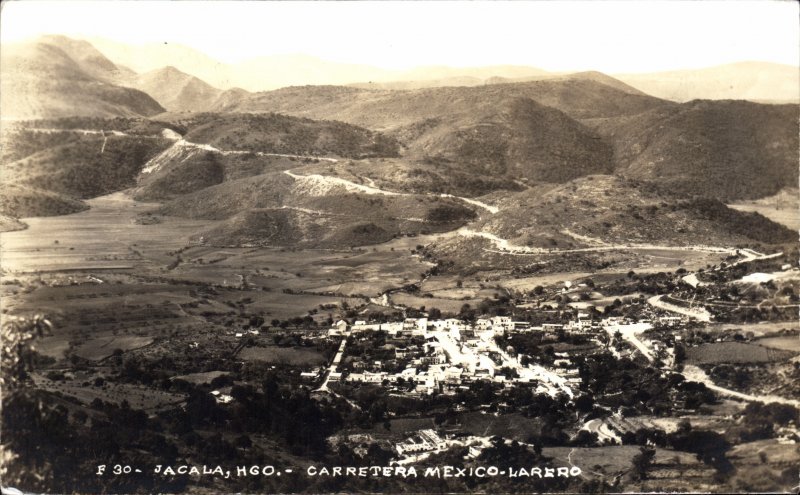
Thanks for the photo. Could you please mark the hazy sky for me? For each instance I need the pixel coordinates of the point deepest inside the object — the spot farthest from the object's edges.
(560, 36)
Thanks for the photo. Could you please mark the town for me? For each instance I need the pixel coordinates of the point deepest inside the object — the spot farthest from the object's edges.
(443, 355)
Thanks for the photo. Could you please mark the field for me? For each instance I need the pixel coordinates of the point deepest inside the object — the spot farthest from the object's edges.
(788, 343)
(765, 466)
(734, 352)
(758, 329)
(201, 378)
(139, 396)
(102, 238)
(512, 426)
(293, 356)
(103, 347)
(445, 305)
(610, 460)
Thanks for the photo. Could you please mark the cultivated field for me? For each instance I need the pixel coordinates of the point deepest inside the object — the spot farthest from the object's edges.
(445, 305)
(734, 352)
(103, 347)
(788, 343)
(293, 356)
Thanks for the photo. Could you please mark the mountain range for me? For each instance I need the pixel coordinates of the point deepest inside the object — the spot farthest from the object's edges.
(748, 80)
(352, 164)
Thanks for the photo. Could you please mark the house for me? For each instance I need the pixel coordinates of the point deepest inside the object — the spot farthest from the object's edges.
(453, 374)
(355, 377)
(221, 398)
(423, 441)
(502, 323)
(474, 451)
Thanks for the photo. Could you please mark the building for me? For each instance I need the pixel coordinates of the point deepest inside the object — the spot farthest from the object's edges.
(423, 441)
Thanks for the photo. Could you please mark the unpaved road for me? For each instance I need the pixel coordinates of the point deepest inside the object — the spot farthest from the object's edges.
(695, 374)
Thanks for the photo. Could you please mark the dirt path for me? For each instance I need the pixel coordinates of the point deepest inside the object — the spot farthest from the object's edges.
(700, 314)
(629, 333)
(696, 374)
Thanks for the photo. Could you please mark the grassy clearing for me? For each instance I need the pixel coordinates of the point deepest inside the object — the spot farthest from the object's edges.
(734, 352)
(138, 396)
(201, 378)
(611, 460)
(445, 305)
(103, 347)
(758, 329)
(787, 343)
(295, 356)
(513, 426)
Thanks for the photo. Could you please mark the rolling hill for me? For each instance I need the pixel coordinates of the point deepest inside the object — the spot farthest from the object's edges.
(598, 222)
(89, 59)
(517, 138)
(722, 149)
(382, 109)
(278, 209)
(49, 173)
(20, 201)
(184, 170)
(274, 133)
(604, 209)
(175, 90)
(56, 77)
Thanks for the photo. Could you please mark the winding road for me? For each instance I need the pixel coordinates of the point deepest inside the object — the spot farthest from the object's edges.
(695, 374)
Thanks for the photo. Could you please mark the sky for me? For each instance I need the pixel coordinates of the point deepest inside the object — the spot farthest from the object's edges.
(609, 36)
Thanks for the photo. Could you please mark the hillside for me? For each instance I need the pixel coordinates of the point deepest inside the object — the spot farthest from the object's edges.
(281, 134)
(604, 209)
(722, 149)
(85, 167)
(406, 175)
(380, 109)
(783, 207)
(188, 170)
(175, 90)
(516, 138)
(40, 79)
(310, 211)
(89, 59)
(10, 224)
(19, 201)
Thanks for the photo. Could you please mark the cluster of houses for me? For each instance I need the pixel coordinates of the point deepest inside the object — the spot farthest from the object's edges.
(454, 353)
(422, 441)
(496, 325)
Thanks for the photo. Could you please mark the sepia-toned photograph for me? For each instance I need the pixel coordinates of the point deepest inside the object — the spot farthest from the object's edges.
(382, 247)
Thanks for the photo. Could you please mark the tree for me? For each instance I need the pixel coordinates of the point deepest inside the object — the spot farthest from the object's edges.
(642, 461)
(18, 336)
